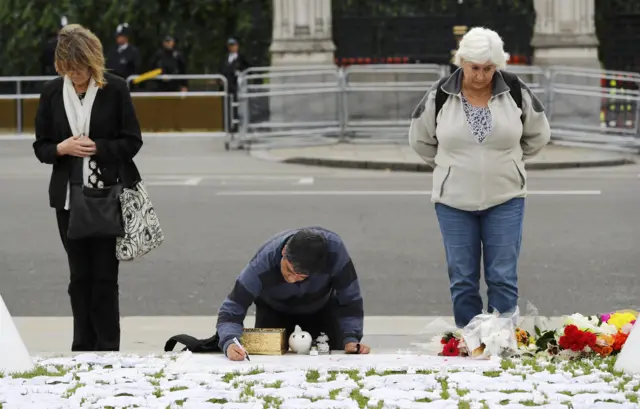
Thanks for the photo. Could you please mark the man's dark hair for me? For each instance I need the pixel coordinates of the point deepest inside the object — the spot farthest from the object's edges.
(308, 252)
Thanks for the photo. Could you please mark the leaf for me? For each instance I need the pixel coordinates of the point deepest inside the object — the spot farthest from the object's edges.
(543, 341)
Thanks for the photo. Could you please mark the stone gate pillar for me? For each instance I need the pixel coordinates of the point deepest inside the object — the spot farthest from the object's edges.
(565, 33)
(302, 32)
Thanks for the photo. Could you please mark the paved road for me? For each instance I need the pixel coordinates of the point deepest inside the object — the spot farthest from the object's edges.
(580, 249)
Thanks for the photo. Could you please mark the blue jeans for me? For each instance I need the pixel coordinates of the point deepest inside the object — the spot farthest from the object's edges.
(496, 235)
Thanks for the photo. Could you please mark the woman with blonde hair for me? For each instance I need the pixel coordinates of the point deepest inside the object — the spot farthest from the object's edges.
(476, 128)
(86, 127)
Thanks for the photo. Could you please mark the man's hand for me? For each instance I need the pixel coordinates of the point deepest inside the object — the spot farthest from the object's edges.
(235, 353)
(77, 146)
(352, 348)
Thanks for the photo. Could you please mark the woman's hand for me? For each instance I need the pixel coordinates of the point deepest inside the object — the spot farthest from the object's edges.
(77, 146)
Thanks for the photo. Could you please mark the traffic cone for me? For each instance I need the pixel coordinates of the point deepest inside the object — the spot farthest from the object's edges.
(14, 356)
(629, 357)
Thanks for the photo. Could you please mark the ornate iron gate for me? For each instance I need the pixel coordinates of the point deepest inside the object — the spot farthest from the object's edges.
(422, 31)
(618, 31)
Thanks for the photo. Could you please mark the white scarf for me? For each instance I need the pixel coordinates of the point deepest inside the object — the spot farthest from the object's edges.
(79, 114)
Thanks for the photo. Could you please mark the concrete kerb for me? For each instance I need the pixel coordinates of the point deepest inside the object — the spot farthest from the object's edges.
(423, 167)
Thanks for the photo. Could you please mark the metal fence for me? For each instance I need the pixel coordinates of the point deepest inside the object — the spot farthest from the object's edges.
(279, 106)
(582, 109)
(25, 91)
(198, 99)
(308, 105)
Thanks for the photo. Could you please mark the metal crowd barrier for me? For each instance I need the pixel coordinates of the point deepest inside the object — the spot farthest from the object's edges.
(581, 109)
(377, 98)
(289, 102)
(375, 103)
(19, 96)
(25, 91)
(178, 99)
(277, 106)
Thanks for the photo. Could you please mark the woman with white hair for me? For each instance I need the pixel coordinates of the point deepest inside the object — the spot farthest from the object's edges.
(476, 128)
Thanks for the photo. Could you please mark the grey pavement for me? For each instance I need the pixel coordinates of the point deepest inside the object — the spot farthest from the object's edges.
(400, 156)
(579, 252)
(143, 335)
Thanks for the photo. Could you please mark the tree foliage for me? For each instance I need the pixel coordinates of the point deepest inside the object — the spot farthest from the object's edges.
(200, 26)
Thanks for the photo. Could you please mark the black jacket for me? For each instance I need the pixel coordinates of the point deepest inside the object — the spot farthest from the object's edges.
(125, 63)
(114, 128)
(172, 63)
(240, 64)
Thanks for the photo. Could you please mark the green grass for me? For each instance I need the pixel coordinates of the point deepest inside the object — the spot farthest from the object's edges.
(445, 389)
(516, 366)
(69, 393)
(40, 371)
(507, 364)
(276, 385)
(271, 402)
(361, 400)
(228, 377)
(313, 375)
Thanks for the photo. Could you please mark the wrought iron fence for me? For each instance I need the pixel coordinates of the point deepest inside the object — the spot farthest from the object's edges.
(394, 31)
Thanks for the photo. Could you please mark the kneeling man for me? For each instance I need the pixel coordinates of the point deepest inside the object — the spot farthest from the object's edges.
(299, 277)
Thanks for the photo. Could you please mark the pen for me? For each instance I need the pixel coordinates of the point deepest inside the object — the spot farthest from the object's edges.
(235, 341)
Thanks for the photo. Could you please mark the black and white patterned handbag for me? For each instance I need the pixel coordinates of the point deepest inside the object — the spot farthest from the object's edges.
(141, 225)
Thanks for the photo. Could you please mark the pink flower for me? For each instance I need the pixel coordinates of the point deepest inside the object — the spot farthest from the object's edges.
(605, 317)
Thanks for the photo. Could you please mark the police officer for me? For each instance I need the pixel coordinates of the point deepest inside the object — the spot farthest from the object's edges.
(232, 65)
(49, 49)
(124, 59)
(171, 62)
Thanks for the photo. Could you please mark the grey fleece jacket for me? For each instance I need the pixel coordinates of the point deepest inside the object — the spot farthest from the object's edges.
(469, 175)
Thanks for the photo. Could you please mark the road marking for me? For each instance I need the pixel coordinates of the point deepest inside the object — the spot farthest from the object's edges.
(380, 192)
(306, 181)
(566, 192)
(193, 181)
(323, 193)
(173, 181)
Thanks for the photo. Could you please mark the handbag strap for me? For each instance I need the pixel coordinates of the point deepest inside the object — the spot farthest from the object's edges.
(129, 174)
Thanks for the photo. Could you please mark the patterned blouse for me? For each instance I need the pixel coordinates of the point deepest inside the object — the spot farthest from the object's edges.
(94, 170)
(478, 118)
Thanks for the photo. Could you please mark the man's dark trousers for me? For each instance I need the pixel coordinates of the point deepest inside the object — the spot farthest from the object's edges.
(324, 320)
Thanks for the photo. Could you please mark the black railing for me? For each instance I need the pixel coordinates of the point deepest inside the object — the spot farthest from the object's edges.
(423, 30)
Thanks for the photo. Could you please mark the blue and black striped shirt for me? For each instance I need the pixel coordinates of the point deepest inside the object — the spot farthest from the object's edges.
(262, 280)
